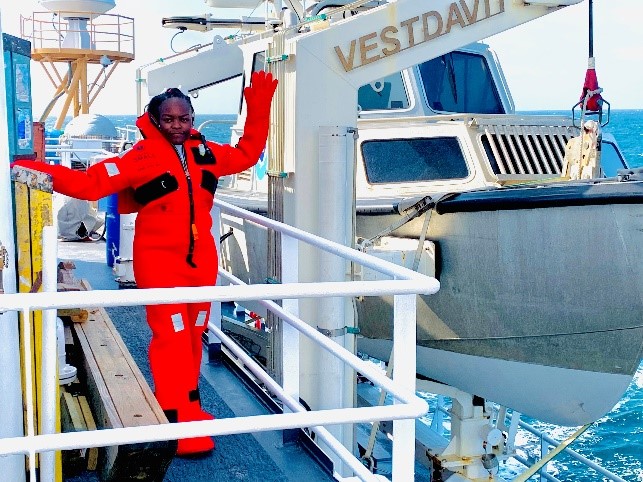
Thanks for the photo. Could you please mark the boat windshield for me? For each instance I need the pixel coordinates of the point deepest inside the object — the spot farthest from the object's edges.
(387, 93)
(413, 160)
(611, 160)
(460, 82)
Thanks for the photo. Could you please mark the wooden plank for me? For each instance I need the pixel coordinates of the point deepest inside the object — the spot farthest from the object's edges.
(76, 315)
(136, 372)
(77, 421)
(105, 414)
(124, 388)
(92, 453)
(73, 461)
(120, 397)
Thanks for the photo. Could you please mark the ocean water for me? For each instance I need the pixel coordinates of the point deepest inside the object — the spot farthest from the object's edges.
(217, 127)
(615, 441)
(625, 125)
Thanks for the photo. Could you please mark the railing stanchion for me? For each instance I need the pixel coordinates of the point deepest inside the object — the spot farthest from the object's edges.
(290, 335)
(404, 336)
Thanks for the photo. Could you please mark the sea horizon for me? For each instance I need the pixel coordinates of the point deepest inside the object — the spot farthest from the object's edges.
(626, 125)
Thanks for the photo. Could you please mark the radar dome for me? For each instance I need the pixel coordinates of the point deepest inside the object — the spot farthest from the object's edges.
(93, 6)
(91, 125)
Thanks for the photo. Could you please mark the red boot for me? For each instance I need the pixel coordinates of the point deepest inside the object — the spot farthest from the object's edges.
(195, 406)
(192, 412)
(193, 446)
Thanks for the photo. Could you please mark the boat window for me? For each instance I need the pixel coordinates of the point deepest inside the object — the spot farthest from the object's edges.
(460, 82)
(258, 63)
(387, 93)
(413, 160)
(611, 160)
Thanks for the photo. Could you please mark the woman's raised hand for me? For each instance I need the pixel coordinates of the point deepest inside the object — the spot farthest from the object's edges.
(260, 92)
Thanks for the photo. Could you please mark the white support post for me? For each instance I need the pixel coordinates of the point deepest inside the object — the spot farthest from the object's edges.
(404, 336)
(335, 212)
(13, 467)
(214, 344)
(49, 372)
(289, 334)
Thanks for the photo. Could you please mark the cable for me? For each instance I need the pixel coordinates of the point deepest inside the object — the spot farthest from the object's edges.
(181, 30)
(543, 335)
(253, 11)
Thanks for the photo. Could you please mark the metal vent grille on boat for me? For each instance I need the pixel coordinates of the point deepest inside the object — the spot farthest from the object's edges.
(525, 152)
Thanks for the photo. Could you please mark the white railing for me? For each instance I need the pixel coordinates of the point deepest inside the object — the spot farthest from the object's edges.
(62, 149)
(128, 133)
(208, 122)
(404, 286)
(60, 153)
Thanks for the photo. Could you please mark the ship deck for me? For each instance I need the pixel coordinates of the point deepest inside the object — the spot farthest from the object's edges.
(261, 456)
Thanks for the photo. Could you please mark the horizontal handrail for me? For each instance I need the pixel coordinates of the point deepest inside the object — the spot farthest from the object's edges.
(83, 299)
(229, 122)
(332, 247)
(405, 283)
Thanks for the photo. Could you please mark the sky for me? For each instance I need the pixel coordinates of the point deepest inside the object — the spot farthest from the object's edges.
(544, 61)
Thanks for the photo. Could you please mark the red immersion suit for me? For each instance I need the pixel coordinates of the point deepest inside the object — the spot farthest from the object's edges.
(173, 245)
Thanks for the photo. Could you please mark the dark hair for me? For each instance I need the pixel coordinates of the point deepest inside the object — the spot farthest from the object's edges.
(154, 107)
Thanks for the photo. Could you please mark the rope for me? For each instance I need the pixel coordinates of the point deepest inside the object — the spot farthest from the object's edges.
(275, 152)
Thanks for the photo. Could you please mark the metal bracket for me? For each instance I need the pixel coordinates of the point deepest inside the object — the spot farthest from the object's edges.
(279, 174)
(277, 58)
(4, 263)
(346, 330)
(635, 174)
(4, 257)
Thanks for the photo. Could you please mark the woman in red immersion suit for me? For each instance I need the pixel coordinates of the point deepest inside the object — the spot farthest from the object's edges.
(169, 178)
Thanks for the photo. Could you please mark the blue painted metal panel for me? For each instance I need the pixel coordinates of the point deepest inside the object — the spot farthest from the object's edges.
(17, 58)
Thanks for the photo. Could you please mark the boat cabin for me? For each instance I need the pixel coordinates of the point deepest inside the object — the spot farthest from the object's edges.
(445, 125)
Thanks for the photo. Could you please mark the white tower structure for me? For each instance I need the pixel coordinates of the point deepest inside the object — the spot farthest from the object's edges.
(81, 36)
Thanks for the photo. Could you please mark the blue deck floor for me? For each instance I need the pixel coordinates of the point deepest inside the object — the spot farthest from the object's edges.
(246, 457)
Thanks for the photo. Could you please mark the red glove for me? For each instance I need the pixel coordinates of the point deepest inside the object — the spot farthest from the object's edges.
(91, 185)
(259, 94)
(255, 131)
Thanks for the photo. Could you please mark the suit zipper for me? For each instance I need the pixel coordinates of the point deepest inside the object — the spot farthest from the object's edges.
(193, 231)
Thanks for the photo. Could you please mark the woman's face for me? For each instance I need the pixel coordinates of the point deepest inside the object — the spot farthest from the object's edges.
(175, 120)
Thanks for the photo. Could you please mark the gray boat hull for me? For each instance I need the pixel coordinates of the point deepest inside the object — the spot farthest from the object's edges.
(543, 283)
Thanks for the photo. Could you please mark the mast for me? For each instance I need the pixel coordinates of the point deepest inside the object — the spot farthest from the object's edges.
(591, 101)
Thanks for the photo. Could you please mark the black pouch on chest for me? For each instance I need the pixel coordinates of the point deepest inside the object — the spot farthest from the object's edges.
(209, 181)
(203, 154)
(156, 188)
